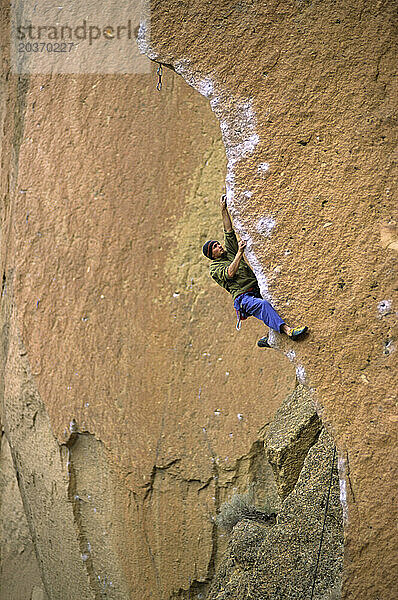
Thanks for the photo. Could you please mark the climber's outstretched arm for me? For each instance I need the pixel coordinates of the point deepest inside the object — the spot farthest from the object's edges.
(234, 266)
(226, 219)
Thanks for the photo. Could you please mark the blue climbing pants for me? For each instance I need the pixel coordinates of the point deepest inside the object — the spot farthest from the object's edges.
(250, 305)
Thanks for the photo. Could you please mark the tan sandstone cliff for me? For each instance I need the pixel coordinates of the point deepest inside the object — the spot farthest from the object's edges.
(131, 409)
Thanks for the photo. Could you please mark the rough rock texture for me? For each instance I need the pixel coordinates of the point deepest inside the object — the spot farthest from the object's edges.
(42, 472)
(291, 434)
(265, 560)
(19, 571)
(111, 330)
(278, 561)
(306, 93)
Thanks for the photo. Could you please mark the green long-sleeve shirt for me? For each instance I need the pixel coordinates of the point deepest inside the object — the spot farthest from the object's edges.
(243, 279)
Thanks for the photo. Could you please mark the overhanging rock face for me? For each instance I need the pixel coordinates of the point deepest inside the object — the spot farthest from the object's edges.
(123, 379)
(111, 334)
(305, 95)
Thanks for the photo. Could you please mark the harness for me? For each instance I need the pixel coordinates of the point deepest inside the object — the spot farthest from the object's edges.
(239, 317)
(240, 314)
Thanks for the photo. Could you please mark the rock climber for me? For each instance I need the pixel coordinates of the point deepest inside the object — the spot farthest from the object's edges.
(229, 269)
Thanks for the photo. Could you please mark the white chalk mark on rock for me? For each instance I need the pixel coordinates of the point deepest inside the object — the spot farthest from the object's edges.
(342, 468)
(262, 169)
(265, 225)
(300, 373)
(384, 307)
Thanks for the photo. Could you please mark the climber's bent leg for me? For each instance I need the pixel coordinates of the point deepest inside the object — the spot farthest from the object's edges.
(261, 309)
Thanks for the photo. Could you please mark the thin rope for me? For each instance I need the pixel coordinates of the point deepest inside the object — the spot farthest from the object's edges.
(324, 522)
(160, 73)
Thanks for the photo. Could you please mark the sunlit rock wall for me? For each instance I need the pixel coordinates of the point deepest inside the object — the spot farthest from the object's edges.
(130, 404)
(305, 93)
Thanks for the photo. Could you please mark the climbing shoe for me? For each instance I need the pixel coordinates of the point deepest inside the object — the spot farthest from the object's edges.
(263, 342)
(296, 332)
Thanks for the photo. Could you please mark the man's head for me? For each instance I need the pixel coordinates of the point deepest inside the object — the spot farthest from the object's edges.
(213, 250)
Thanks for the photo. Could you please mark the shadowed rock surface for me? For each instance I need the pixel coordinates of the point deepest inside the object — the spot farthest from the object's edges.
(278, 561)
